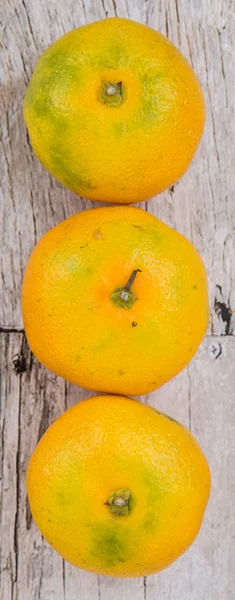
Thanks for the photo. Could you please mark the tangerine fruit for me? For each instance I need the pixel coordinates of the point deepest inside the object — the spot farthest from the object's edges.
(114, 111)
(118, 488)
(115, 300)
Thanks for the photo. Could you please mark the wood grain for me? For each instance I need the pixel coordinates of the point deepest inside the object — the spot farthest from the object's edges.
(201, 397)
(201, 206)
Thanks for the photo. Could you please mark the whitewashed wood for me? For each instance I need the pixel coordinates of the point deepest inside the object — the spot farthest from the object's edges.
(202, 397)
(202, 204)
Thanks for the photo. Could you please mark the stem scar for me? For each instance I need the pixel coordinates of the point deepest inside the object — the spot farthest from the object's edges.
(124, 297)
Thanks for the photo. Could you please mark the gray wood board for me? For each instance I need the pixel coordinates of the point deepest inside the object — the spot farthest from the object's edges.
(201, 206)
(201, 397)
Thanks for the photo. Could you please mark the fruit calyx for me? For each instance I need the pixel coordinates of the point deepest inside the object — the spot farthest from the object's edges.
(119, 502)
(124, 297)
(111, 93)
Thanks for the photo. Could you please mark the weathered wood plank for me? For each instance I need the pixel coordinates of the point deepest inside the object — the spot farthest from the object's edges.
(201, 205)
(9, 422)
(201, 397)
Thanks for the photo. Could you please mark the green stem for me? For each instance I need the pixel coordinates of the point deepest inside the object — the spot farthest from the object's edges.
(124, 297)
(111, 93)
(119, 502)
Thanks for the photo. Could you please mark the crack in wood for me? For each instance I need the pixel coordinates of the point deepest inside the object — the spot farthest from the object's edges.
(145, 587)
(44, 421)
(166, 25)
(177, 11)
(28, 514)
(211, 104)
(19, 363)
(63, 577)
(41, 575)
(65, 395)
(115, 8)
(223, 67)
(223, 311)
(84, 9)
(7, 331)
(18, 475)
(10, 330)
(104, 9)
(189, 401)
(29, 24)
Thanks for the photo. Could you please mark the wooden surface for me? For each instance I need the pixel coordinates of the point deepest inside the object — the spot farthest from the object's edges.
(202, 206)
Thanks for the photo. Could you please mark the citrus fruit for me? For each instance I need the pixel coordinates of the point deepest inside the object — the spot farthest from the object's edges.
(118, 488)
(114, 111)
(115, 300)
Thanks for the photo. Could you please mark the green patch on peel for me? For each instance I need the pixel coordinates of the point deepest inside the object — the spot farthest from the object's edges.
(104, 341)
(110, 545)
(52, 79)
(150, 523)
(155, 99)
(119, 128)
(113, 56)
(62, 497)
(47, 104)
(61, 164)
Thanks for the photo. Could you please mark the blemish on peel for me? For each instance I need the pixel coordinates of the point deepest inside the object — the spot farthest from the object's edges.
(150, 523)
(138, 227)
(109, 546)
(97, 234)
